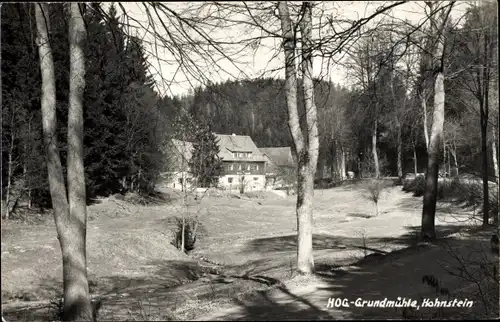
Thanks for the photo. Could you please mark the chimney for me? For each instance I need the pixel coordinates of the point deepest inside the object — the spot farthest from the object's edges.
(233, 134)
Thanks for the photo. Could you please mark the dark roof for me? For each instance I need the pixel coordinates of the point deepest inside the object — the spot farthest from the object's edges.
(238, 143)
(281, 156)
(227, 145)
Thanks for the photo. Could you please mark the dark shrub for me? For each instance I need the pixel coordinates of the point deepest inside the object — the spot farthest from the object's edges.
(190, 233)
(418, 187)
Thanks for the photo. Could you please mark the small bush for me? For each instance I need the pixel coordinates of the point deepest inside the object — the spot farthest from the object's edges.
(416, 185)
(190, 233)
(374, 189)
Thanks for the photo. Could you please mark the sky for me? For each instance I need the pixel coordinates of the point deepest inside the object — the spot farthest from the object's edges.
(261, 59)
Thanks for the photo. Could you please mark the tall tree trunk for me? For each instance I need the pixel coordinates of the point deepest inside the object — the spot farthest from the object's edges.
(27, 181)
(495, 166)
(49, 119)
(342, 164)
(436, 138)
(400, 154)
(415, 160)
(321, 167)
(305, 262)
(333, 160)
(8, 191)
(444, 156)
(338, 162)
(494, 151)
(431, 176)
(307, 148)
(423, 100)
(484, 156)
(453, 152)
(77, 305)
(395, 105)
(374, 149)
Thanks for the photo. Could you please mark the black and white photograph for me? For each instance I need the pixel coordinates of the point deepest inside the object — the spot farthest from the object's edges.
(249, 160)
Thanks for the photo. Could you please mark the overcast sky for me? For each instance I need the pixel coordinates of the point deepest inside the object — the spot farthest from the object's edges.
(260, 61)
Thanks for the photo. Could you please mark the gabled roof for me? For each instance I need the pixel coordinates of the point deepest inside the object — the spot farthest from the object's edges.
(238, 143)
(280, 156)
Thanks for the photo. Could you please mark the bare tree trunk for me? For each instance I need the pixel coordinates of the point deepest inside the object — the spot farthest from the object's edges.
(436, 139)
(70, 227)
(321, 167)
(338, 162)
(48, 104)
(424, 108)
(183, 231)
(77, 305)
(400, 154)
(453, 153)
(307, 150)
(11, 165)
(494, 152)
(415, 160)
(431, 176)
(310, 156)
(332, 158)
(27, 181)
(484, 155)
(342, 164)
(444, 156)
(374, 149)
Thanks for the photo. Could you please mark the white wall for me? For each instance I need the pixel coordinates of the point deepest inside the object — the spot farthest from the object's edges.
(250, 183)
(174, 183)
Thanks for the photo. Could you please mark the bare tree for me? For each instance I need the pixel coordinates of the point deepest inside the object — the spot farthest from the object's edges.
(306, 144)
(436, 137)
(308, 155)
(481, 51)
(70, 217)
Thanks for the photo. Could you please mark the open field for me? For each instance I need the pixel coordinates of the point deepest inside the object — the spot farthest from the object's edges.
(248, 243)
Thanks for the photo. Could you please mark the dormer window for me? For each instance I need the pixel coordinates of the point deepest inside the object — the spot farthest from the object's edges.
(242, 155)
(235, 154)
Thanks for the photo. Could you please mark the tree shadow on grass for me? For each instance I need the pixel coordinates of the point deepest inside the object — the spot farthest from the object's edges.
(166, 286)
(326, 241)
(396, 274)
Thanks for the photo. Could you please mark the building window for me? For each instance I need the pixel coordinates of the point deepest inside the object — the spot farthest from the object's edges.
(180, 180)
(249, 154)
(235, 154)
(248, 167)
(239, 167)
(229, 180)
(256, 167)
(242, 155)
(255, 178)
(231, 167)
